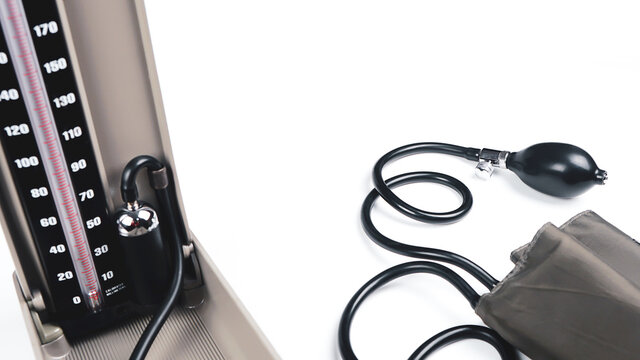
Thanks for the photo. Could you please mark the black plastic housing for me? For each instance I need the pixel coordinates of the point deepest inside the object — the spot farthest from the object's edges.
(147, 265)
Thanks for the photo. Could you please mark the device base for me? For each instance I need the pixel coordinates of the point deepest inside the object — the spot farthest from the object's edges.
(219, 328)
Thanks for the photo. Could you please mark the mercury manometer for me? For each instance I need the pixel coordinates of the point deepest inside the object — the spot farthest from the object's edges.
(90, 203)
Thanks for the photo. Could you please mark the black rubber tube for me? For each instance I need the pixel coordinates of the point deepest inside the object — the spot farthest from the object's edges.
(422, 148)
(383, 188)
(128, 187)
(465, 332)
(444, 338)
(418, 251)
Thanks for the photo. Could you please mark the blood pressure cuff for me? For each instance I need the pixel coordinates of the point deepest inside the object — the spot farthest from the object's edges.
(574, 294)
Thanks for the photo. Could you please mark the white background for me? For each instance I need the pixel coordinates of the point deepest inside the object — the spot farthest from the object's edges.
(279, 109)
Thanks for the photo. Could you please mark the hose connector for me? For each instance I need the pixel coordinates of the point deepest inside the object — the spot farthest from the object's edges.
(497, 158)
(488, 160)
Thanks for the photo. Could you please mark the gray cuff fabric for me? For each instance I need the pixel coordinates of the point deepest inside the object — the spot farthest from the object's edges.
(574, 294)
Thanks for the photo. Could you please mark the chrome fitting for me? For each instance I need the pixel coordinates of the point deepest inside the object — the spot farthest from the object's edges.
(496, 158)
(490, 159)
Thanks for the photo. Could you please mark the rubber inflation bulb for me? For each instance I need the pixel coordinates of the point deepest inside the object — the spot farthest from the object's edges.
(556, 169)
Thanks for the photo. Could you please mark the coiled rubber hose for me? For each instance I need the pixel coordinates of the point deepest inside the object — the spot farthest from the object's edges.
(383, 188)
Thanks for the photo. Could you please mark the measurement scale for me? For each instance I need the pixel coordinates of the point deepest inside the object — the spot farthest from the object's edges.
(46, 141)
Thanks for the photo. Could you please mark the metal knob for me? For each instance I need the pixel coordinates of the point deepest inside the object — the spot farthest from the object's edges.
(484, 170)
(136, 219)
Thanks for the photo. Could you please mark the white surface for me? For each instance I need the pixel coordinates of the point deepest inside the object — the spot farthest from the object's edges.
(279, 109)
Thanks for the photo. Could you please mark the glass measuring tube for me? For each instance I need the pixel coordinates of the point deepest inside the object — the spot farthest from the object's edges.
(39, 107)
